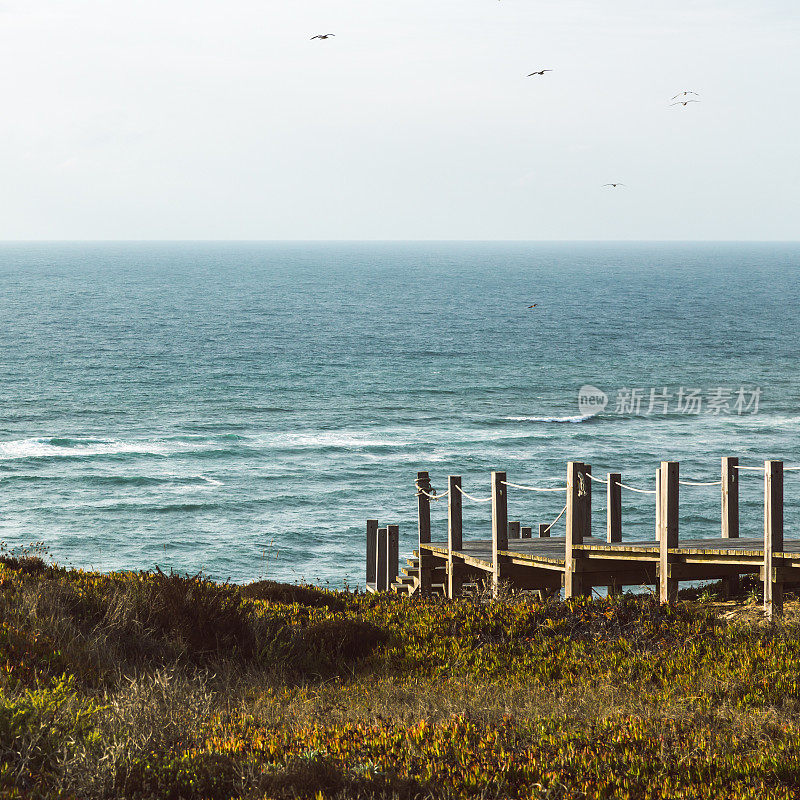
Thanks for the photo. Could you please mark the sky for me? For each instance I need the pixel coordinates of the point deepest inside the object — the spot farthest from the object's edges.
(203, 119)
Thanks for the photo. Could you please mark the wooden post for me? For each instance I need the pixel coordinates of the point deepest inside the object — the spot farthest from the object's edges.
(668, 586)
(587, 469)
(393, 554)
(514, 530)
(525, 532)
(730, 513)
(383, 560)
(544, 530)
(773, 537)
(659, 519)
(455, 568)
(578, 513)
(614, 507)
(424, 529)
(614, 516)
(499, 527)
(372, 551)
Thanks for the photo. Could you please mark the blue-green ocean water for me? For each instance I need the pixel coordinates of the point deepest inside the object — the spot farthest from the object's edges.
(244, 408)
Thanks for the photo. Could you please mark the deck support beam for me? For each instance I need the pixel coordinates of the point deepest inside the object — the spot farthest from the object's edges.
(668, 508)
(773, 537)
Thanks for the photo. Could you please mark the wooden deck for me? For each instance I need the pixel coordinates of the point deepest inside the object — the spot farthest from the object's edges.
(579, 561)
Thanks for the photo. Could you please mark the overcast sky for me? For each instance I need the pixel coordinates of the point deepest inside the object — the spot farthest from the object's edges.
(204, 119)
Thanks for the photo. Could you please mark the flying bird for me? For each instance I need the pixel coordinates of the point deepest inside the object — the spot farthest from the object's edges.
(613, 185)
(322, 36)
(684, 103)
(683, 94)
(540, 72)
(534, 305)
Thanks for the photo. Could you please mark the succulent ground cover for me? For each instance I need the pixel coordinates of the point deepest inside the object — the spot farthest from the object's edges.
(153, 685)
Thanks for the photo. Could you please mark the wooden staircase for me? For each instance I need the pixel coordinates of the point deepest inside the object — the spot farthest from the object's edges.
(407, 582)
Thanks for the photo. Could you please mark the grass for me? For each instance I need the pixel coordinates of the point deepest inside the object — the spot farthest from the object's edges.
(148, 685)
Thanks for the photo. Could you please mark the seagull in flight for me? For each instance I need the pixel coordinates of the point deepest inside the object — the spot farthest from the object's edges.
(683, 94)
(613, 185)
(684, 103)
(539, 72)
(322, 36)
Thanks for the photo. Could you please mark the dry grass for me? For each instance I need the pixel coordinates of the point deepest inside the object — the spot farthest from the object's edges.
(177, 687)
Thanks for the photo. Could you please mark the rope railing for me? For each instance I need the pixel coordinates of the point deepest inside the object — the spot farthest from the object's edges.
(701, 483)
(533, 488)
(634, 489)
(761, 469)
(474, 499)
(547, 529)
(620, 483)
(420, 491)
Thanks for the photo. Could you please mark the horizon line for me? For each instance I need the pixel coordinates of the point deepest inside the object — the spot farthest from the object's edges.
(398, 241)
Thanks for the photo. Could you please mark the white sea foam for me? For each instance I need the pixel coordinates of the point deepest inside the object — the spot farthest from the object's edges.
(575, 418)
(70, 448)
(209, 481)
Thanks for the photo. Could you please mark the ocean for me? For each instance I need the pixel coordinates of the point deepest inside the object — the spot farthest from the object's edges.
(242, 409)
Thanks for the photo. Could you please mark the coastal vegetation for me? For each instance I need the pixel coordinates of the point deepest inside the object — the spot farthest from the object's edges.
(154, 685)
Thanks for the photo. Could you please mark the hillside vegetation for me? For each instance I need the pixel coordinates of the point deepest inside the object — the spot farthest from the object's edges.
(148, 685)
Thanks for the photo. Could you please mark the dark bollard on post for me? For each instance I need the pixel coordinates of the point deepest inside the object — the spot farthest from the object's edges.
(372, 552)
(383, 560)
(393, 554)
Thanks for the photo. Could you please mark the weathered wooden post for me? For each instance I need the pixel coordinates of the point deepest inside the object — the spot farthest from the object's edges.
(659, 518)
(424, 528)
(578, 514)
(730, 513)
(514, 530)
(668, 586)
(525, 532)
(587, 468)
(613, 516)
(614, 507)
(499, 528)
(383, 561)
(372, 552)
(393, 555)
(544, 530)
(455, 568)
(773, 537)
